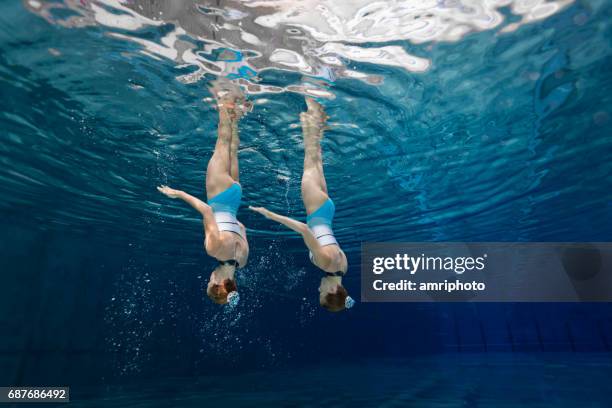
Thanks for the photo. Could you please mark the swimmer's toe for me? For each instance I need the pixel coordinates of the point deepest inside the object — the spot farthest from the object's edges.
(313, 106)
(226, 90)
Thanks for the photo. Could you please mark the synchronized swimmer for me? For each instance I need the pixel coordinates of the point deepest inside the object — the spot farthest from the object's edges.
(225, 236)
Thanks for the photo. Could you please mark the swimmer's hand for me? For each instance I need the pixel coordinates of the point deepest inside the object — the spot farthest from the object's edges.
(195, 202)
(170, 192)
(263, 211)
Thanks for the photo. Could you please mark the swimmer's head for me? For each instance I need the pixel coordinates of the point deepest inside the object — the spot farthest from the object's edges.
(333, 296)
(221, 284)
(217, 292)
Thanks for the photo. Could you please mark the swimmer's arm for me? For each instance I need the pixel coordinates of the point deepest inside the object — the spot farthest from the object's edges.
(309, 239)
(199, 205)
(212, 237)
(290, 223)
(243, 229)
(210, 225)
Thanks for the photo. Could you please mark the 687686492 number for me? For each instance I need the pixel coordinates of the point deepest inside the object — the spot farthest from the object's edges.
(34, 394)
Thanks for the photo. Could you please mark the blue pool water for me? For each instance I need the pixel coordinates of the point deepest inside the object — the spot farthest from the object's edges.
(491, 380)
(449, 121)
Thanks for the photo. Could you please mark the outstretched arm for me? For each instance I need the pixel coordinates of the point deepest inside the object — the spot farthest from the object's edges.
(210, 225)
(299, 227)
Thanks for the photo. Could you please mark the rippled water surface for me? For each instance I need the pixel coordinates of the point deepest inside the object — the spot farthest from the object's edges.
(450, 120)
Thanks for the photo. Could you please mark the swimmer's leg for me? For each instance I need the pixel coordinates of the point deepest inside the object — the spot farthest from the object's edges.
(219, 171)
(314, 186)
(235, 145)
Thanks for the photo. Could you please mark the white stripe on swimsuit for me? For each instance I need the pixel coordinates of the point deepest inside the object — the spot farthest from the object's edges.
(226, 221)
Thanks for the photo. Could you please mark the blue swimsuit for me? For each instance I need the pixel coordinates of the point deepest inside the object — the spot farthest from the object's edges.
(320, 223)
(228, 200)
(225, 206)
(323, 215)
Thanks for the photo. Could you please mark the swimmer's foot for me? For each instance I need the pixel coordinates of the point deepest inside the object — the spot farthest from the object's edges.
(230, 98)
(313, 120)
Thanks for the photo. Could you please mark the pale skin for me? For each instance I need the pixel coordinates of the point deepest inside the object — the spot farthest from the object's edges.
(221, 173)
(329, 258)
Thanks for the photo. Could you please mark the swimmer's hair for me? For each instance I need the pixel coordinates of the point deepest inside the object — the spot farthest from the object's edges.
(218, 293)
(335, 302)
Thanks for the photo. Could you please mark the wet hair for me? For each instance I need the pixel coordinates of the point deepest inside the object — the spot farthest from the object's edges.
(218, 292)
(334, 302)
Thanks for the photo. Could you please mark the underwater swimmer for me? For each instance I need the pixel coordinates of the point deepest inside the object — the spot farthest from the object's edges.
(317, 233)
(225, 237)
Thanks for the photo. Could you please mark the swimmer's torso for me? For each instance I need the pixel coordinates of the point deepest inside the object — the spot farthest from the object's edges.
(331, 259)
(231, 246)
(232, 233)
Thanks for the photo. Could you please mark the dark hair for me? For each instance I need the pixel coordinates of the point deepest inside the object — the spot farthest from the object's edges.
(334, 302)
(218, 292)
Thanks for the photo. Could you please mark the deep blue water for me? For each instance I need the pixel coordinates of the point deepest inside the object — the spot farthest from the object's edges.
(484, 136)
